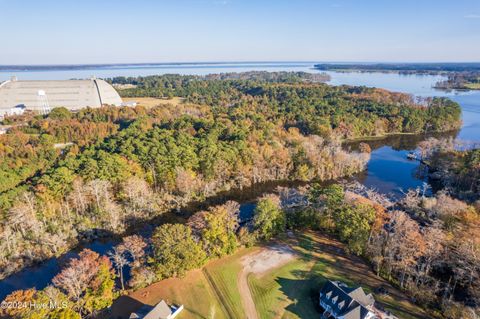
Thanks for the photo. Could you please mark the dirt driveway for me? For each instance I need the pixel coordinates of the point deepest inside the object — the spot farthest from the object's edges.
(258, 263)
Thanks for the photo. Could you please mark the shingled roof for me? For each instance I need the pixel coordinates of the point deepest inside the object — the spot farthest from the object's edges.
(341, 300)
(160, 311)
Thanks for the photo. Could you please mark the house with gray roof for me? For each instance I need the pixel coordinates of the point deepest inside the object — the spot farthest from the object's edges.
(340, 301)
(160, 311)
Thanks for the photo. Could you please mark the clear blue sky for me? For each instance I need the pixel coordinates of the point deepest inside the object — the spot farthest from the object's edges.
(124, 31)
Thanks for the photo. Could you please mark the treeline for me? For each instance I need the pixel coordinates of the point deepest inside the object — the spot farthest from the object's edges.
(251, 75)
(314, 108)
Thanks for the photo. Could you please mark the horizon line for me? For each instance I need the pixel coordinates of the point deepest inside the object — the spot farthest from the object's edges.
(231, 62)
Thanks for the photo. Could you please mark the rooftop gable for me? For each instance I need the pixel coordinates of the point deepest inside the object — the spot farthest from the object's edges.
(344, 301)
(359, 295)
(359, 312)
(160, 311)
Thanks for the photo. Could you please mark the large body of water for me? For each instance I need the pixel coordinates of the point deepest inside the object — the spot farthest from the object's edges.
(79, 72)
(388, 169)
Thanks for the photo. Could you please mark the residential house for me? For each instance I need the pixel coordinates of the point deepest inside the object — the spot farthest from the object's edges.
(342, 302)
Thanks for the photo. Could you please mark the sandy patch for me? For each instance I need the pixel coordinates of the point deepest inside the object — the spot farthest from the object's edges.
(259, 263)
(267, 258)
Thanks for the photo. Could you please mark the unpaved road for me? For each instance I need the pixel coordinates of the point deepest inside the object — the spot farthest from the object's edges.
(259, 263)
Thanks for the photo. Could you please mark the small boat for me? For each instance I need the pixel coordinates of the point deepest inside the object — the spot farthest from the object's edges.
(411, 156)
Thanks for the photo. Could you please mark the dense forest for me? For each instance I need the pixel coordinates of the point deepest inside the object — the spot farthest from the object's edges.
(457, 171)
(68, 177)
(314, 108)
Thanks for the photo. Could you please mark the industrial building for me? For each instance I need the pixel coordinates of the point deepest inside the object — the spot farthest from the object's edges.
(41, 96)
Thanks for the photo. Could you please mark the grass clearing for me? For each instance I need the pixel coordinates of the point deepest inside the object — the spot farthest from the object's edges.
(193, 291)
(284, 292)
(288, 291)
(223, 276)
(149, 102)
(354, 271)
(291, 291)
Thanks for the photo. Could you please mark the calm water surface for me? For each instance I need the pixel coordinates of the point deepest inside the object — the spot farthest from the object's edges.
(155, 69)
(388, 170)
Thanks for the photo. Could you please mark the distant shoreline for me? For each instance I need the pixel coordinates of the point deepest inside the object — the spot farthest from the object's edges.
(460, 76)
(333, 66)
(53, 67)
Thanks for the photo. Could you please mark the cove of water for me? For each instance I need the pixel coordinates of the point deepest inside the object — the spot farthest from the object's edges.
(388, 169)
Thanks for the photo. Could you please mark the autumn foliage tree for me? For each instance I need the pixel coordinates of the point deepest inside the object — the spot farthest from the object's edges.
(49, 303)
(88, 281)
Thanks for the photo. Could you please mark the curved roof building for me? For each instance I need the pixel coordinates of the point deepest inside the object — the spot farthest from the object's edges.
(42, 96)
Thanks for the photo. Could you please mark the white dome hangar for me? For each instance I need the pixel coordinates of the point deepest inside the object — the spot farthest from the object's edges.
(42, 96)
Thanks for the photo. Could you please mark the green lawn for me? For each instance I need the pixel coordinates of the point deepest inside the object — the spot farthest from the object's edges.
(289, 291)
(198, 298)
(285, 292)
(193, 291)
(223, 276)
